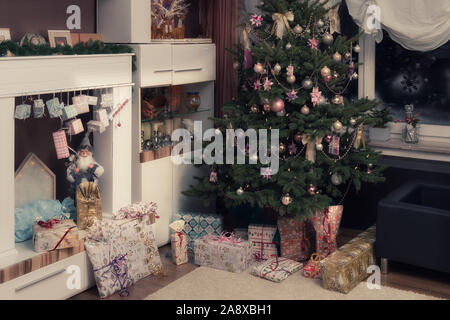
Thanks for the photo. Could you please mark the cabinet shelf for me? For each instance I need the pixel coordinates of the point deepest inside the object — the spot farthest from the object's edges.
(176, 115)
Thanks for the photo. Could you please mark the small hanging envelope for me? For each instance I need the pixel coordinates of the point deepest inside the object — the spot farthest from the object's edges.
(23, 111)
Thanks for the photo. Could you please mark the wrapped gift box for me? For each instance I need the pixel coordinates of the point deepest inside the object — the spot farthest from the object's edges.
(89, 204)
(54, 108)
(295, 235)
(69, 112)
(111, 266)
(276, 269)
(261, 240)
(61, 146)
(137, 237)
(214, 252)
(96, 126)
(23, 111)
(198, 225)
(75, 126)
(178, 242)
(344, 269)
(102, 116)
(137, 210)
(38, 108)
(81, 104)
(326, 224)
(55, 234)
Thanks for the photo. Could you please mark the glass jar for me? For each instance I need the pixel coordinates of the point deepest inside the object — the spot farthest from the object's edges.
(193, 101)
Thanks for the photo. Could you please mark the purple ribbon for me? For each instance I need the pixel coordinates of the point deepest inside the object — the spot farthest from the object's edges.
(115, 266)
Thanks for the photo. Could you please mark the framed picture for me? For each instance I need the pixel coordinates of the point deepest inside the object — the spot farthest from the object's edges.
(59, 38)
(4, 34)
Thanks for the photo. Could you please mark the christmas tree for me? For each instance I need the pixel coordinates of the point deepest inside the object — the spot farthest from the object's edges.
(293, 74)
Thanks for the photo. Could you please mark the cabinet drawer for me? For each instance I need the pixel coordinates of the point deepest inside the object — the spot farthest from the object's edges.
(50, 282)
(193, 63)
(154, 65)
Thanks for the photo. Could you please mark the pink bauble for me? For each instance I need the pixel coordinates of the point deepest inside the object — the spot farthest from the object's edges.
(277, 105)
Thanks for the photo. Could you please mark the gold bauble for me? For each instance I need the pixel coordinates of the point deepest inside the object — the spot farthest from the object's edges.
(286, 199)
(325, 71)
(305, 110)
(290, 79)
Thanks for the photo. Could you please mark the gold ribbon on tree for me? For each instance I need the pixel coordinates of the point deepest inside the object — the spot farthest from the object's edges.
(311, 147)
(360, 137)
(281, 23)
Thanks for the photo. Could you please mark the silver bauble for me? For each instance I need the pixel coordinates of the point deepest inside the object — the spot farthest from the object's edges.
(357, 48)
(240, 191)
(336, 179)
(327, 38)
(337, 57)
(277, 68)
(307, 83)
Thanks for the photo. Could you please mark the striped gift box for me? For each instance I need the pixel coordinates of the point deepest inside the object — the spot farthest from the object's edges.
(81, 104)
(61, 146)
(75, 126)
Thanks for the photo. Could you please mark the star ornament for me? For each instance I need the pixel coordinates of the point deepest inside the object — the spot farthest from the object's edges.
(257, 85)
(256, 20)
(291, 95)
(266, 173)
(316, 96)
(268, 84)
(313, 43)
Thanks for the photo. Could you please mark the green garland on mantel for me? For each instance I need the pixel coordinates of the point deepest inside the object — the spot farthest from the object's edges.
(91, 47)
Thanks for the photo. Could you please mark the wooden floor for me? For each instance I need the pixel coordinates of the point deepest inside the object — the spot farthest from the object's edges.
(400, 276)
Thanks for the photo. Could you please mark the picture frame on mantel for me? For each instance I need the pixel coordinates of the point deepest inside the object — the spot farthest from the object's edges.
(5, 34)
(59, 38)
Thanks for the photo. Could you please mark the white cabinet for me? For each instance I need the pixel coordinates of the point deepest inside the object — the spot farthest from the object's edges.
(124, 21)
(193, 63)
(174, 64)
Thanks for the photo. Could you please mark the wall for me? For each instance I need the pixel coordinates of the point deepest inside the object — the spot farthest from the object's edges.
(39, 16)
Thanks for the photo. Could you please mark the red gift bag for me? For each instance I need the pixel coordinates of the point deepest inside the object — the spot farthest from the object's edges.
(326, 224)
(295, 238)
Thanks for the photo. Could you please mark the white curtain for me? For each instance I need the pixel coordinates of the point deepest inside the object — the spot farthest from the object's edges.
(420, 25)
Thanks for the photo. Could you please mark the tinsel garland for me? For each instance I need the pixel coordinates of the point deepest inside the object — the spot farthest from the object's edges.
(90, 47)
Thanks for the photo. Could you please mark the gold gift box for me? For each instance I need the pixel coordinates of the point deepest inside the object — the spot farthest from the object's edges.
(89, 204)
(344, 269)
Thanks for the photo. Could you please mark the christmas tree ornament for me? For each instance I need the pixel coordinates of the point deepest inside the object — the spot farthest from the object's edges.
(266, 173)
(320, 23)
(337, 57)
(327, 78)
(281, 23)
(315, 96)
(338, 99)
(286, 199)
(370, 165)
(240, 191)
(352, 121)
(313, 43)
(328, 138)
(213, 177)
(319, 147)
(277, 68)
(256, 20)
(327, 38)
(305, 110)
(347, 55)
(288, 45)
(298, 137)
(335, 75)
(355, 76)
(322, 101)
(267, 84)
(290, 79)
(334, 146)
(236, 65)
(369, 171)
(282, 113)
(307, 83)
(312, 190)
(337, 125)
(266, 107)
(254, 109)
(292, 149)
(357, 48)
(277, 105)
(258, 68)
(325, 71)
(336, 179)
(360, 137)
(310, 144)
(291, 95)
(298, 29)
(282, 148)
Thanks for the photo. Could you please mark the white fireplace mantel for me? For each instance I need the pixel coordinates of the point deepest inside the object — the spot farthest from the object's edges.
(21, 76)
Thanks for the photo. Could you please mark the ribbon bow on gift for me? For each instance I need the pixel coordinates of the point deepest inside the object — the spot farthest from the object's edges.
(312, 268)
(119, 268)
(281, 23)
(49, 224)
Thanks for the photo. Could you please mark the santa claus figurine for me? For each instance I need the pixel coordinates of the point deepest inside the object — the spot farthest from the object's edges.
(84, 168)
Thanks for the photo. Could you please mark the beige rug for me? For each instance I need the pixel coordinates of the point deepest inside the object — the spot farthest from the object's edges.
(210, 284)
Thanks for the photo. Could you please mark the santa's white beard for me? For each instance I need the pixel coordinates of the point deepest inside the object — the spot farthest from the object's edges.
(83, 163)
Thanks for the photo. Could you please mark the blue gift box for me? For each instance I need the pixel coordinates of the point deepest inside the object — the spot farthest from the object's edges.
(23, 111)
(54, 108)
(39, 108)
(198, 225)
(69, 112)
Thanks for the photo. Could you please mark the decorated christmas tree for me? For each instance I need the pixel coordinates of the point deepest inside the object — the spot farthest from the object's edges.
(293, 75)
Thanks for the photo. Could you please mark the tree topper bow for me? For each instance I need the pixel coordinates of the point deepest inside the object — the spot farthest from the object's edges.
(281, 23)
